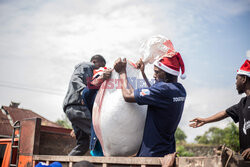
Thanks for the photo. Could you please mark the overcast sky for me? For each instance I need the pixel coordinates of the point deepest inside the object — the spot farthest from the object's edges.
(42, 40)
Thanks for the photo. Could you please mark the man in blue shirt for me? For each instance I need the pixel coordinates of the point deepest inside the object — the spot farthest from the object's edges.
(165, 100)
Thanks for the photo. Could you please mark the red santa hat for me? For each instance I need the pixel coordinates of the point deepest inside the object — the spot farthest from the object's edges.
(98, 71)
(245, 68)
(172, 63)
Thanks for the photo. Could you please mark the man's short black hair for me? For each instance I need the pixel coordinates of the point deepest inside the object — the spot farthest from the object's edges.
(99, 58)
(83, 164)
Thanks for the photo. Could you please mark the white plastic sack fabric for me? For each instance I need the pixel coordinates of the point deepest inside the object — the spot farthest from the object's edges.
(119, 125)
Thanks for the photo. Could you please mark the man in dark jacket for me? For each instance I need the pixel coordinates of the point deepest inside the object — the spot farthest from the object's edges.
(75, 109)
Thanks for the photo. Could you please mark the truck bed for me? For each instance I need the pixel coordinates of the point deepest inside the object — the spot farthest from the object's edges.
(67, 161)
(48, 144)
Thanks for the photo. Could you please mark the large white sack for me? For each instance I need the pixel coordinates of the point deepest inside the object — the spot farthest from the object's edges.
(119, 125)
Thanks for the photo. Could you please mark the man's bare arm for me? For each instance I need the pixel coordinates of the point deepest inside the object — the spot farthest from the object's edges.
(197, 122)
(127, 89)
(140, 65)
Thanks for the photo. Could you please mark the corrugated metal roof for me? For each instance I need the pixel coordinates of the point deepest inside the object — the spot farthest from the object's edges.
(5, 127)
(18, 114)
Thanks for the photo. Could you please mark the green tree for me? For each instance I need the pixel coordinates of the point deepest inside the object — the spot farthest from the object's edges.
(183, 152)
(202, 139)
(231, 138)
(180, 136)
(216, 136)
(64, 122)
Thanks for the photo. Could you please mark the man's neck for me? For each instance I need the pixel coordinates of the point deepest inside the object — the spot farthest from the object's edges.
(247, 92)
(171, 81)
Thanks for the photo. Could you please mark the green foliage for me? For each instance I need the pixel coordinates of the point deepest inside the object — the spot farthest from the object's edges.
(64, 122)
(216, 136)
(202, 139)
(180, 136)
(183, 152)
(231, 138)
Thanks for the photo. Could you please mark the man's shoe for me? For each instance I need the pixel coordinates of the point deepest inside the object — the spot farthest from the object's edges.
(79, 150)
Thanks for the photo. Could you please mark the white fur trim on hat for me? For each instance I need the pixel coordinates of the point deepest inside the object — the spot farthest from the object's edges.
(166, 68)
(241, 72)
(183, 76)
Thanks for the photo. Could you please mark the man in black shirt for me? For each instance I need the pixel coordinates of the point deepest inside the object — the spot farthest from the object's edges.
(239, 112)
